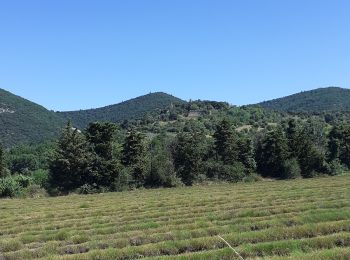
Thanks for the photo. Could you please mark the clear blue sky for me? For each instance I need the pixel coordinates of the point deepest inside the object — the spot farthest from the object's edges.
(71, 54)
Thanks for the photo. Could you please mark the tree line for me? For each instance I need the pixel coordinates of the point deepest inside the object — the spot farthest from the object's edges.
(104, 158)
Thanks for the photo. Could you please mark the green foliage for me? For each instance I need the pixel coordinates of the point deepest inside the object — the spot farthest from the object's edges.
(134, 157)
(12, 186)
(41, 178)
(162, 171)
(129, 110)
(189, 150)
(330, 99)
(226, 145)
(33, 191)
(234, 172)
(70, 165)
(104, 163)
(9, 187)
(2, 162)
(291, 169)
(25, 122)
(272, 152)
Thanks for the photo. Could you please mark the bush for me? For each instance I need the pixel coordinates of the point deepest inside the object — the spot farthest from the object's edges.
(88, 189)
(40, 177)
(253, 177)
(336, 168)
(121, 183)
(291, 169)
(9, 187)
(33, 191)
(162, 173)
(23, 181)
(219, 171)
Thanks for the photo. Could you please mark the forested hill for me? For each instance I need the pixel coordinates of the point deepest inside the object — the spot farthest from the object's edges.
(132, 109)
(24, 121)
(331, 99)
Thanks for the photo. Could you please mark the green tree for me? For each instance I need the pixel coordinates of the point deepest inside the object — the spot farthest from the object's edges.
(105, 165)
(70, 164)
(271, 154)
(2, 162)
(162, 171)
(226, 145)
(293, 137)
(134, 156)
(246, 154)
(310, 158)
(188, 153)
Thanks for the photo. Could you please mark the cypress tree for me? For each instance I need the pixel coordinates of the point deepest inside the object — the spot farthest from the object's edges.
(105, 165)
(134, 157)
(226, 146)
(271, 154)
(188, 153)
(69, 166)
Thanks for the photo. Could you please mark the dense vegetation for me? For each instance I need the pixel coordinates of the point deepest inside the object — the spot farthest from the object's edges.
(331, 99)
(24, 121)
(182, 144)
(129, 110)
(299, 219)
(105, 157)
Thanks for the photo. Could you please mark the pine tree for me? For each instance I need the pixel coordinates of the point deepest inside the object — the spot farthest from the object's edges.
(134, 157)
(271, 154)
(105, 164)
(226, 145)
(294, 142)
(246, 154)
(310, 158)
(69, 167)
(188, 153)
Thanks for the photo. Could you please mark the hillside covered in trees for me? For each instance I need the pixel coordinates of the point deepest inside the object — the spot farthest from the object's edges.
(22, 121)
(129, 110)
(182, 143)
(331, 99)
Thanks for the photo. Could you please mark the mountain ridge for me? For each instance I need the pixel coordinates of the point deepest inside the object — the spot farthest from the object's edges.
(320, 100)
(131, 109)
(23, 121)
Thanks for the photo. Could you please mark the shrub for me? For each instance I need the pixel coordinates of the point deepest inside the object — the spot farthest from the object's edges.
(121, 183)
(336, 168)
(34, 191)
(291, 169)
(9, 187)
(22, 180)
(88, 189)
(233, 173)
(253, 177)
(41, 177)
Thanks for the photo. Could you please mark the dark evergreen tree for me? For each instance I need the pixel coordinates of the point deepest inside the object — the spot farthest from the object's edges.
(271, 154)
(334, 144)
(188, 153)
(70, 166)
(162, 171)
(293, 137)
(345, 148)
(246, 154)
(105, 164)
(226, 145)
(134, 157)
(310, 158)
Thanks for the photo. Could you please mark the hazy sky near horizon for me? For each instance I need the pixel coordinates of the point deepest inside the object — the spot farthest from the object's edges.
(69, 55)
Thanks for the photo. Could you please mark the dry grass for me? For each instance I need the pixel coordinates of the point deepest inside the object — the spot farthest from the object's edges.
(301, 219)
